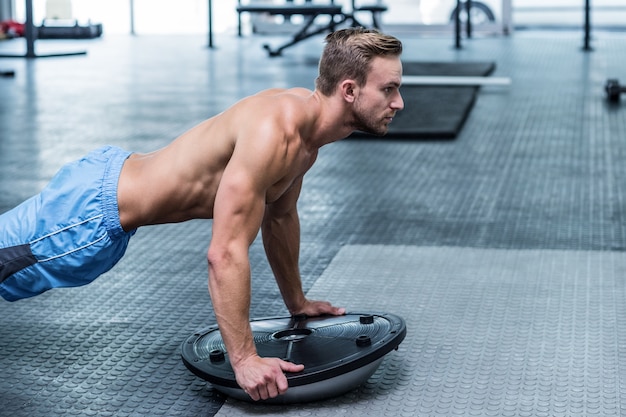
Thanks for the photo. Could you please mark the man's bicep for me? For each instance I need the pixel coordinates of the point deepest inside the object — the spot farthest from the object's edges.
(255, 166)
(239, 207)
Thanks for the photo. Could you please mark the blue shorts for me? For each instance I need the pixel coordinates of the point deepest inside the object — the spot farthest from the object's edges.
(69, 233)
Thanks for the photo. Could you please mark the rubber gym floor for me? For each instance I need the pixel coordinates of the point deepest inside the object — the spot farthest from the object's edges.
(502, 249)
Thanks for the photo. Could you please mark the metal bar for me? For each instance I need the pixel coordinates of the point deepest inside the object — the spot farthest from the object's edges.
(587, 45)
(132, 17)
(507, 26)
(210, 24)
(29, 30)
(454, 80)
(468, 27)
(457, 25)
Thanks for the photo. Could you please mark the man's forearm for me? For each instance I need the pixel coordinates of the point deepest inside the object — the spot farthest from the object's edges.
(230, 294)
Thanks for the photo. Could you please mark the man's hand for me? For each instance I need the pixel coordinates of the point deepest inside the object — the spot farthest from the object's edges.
(263, 378)
(314, 308)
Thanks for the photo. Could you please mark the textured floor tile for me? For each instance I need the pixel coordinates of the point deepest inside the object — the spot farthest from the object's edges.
(489, 332)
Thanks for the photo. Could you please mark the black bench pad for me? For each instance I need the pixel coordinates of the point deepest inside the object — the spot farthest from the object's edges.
(308, 10)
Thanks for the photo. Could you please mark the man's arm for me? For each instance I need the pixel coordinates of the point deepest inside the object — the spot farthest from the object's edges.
(238, 213)
(281, 240)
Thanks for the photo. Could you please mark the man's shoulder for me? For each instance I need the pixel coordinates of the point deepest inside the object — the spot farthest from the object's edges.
(280, 108)
(277, 92)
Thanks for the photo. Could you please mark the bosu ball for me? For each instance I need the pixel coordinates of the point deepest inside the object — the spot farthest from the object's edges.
(339, 353)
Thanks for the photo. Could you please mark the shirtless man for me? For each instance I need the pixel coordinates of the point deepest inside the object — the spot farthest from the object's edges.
(242, 168)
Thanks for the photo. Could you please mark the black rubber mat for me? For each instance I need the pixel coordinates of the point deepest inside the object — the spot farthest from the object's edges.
(435, 112)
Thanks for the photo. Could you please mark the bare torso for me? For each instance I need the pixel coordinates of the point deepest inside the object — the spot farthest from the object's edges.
(180, 181)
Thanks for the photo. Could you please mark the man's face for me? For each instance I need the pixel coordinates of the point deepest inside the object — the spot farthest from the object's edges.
(379, 99)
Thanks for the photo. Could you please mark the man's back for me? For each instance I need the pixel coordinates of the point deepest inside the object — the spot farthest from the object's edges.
(180, 181)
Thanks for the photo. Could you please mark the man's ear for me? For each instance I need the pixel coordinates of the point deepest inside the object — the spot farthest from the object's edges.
(349, 90)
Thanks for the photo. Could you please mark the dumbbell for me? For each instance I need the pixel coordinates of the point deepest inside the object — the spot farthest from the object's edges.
(613, 90)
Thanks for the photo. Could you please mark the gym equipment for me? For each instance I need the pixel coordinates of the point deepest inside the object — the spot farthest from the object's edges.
(30, 33)
(310, 12)
(614, 90)
(51, 29)
(339, 353)
(454, 80)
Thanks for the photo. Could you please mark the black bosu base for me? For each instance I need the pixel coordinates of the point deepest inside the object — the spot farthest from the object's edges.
(339, 353)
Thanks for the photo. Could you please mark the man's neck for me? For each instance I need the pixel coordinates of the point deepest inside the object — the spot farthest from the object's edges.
(330, 121)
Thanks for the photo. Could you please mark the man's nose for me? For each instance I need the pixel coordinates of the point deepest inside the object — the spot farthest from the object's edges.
(398, 103)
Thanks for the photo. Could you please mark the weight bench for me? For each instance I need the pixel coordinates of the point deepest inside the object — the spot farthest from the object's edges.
(309, 11)
(374, 9)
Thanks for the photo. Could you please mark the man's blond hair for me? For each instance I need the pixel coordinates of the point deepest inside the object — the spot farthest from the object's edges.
(348, 54)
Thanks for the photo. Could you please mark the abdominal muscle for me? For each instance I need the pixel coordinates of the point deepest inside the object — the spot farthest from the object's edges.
(166, 197)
